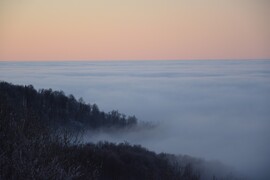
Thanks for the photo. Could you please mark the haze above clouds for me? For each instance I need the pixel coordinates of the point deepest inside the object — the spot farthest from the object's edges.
(131, 30)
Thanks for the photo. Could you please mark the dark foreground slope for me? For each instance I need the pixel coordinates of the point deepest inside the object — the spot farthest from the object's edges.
(33, 147)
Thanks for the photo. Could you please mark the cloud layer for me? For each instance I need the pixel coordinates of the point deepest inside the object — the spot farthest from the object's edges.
(217, 110)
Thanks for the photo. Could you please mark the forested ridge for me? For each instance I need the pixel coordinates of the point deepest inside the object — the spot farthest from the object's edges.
(56, 108)
(36, 141)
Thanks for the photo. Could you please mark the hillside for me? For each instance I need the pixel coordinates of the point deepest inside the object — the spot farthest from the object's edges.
(36, 142)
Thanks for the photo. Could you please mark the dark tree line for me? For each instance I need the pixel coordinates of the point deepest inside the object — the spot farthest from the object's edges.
(57, 108)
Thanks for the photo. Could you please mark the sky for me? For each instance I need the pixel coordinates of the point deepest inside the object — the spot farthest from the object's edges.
(51, 30)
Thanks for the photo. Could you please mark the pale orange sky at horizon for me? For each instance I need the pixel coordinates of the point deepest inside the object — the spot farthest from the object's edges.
(33, 30)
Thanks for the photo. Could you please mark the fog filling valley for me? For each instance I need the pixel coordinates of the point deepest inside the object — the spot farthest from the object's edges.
(216, 110)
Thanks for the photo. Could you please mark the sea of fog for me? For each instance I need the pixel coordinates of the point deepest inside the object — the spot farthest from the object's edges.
(216, 110)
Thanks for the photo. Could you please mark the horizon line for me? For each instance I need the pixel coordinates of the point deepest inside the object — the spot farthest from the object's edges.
(126, 60)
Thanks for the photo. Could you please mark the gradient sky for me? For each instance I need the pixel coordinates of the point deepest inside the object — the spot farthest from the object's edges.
(134, 30)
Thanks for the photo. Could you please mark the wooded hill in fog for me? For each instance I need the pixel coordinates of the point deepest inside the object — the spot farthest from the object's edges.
(34, 143)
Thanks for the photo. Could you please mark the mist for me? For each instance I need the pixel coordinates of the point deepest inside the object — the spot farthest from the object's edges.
(216, 110)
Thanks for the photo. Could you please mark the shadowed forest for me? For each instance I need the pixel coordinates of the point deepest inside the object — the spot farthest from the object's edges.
(40, 139)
